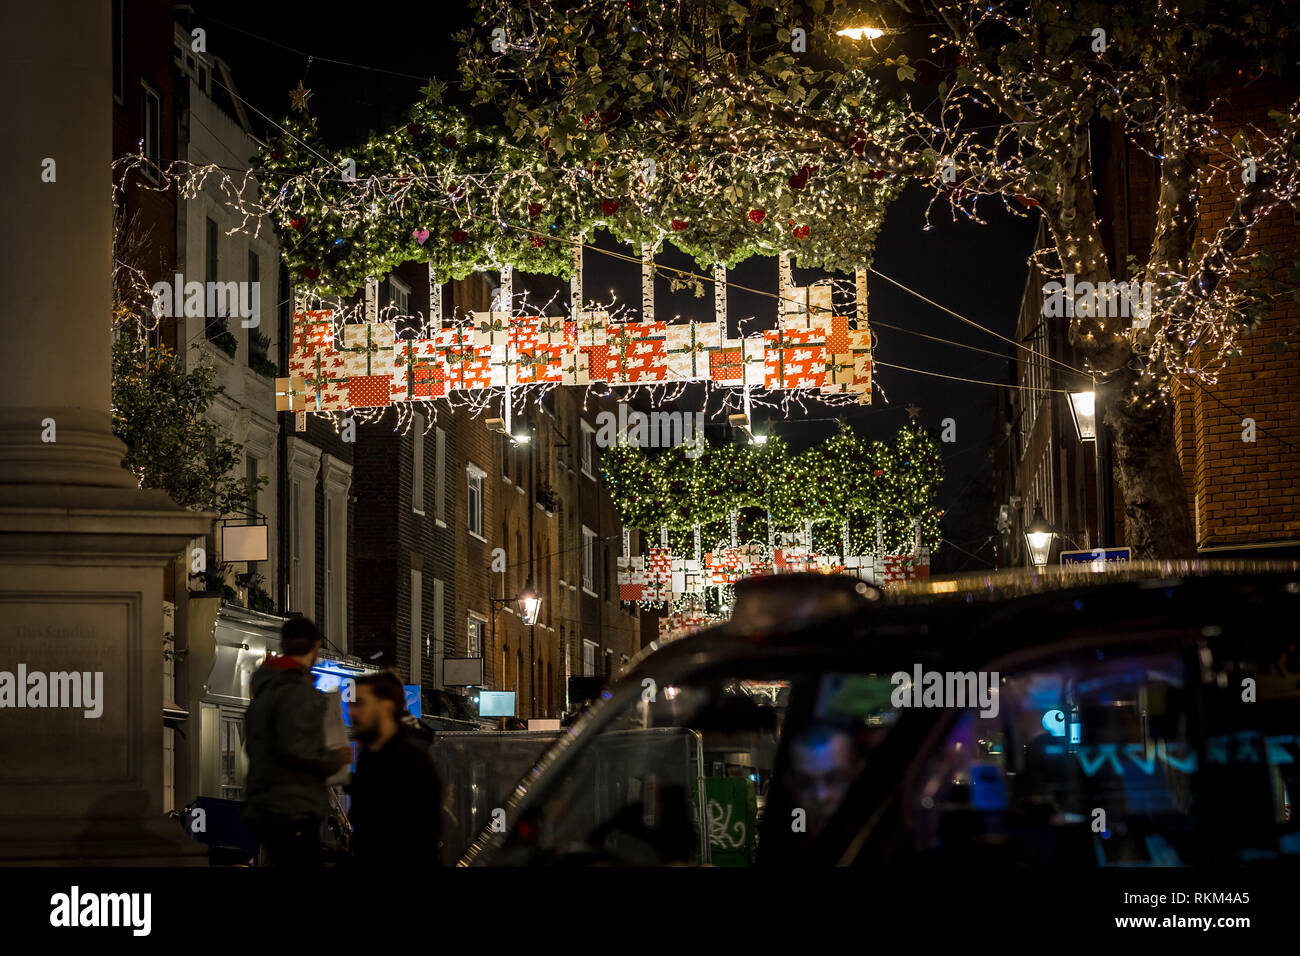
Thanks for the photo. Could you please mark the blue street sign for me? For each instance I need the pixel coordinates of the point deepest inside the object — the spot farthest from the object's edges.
(1098, 556)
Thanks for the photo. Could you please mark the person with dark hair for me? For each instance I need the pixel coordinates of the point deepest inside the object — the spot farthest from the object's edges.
(396, 793)
(288, 763)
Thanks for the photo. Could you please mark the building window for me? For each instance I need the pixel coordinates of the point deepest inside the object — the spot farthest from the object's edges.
(214, 325)
(474, 500)
(507, 455)
(302, 466)
(417, 626)
(588, 560)
(257, 342)
(587, 446)
(234, 764)
(336, 476)
(417, 464)
(440, 476)
(589, 649)
(398, 295)
(477, 627)
(151, 134)
(439, 636)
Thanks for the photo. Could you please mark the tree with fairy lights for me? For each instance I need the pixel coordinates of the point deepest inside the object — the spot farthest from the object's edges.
(828, 484)
(1002, 108)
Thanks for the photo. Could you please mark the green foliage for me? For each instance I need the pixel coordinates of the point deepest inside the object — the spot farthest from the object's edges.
(579, 124)
(841, 480)
(158, 414)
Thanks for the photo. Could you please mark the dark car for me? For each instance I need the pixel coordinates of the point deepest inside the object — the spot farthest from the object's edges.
(1145, 716)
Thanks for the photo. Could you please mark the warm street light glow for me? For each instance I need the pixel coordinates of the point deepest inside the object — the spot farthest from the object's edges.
(1083, 408)
(861, 33)
(1038, 539)
(530, 604)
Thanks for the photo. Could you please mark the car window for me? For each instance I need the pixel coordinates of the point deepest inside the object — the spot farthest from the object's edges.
(684, 773)
(1252, 748)
(1085, 760)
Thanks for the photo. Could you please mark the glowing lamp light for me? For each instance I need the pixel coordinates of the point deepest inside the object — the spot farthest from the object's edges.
(760, 439)
(1083, 408)
(1038, 539)
(861, 33)
(530, 604)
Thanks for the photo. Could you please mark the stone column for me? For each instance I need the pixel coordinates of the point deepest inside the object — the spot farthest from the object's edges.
(82, 548)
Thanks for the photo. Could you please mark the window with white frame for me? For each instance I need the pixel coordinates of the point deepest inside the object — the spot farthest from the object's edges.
(398, 295)
(587, 450)
(477, 628)
(302, 465)
(474, 476)
(589, 560)
(417, 627)
(417, 463)
(151, 132)
(589, 650)
(440, 476)
(337, 478)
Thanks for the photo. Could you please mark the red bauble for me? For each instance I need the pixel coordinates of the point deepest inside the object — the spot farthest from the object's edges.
(801, 232)
(537, 241)
(459, 236)
(876, 174)
(415, 129)
(449, 141)
(679, 225)
(534, 208)
(609, 206)
(311, 273)
(298, 222)
(757, 215)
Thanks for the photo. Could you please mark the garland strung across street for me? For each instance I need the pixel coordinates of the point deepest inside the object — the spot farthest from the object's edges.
(466, 198)
(336, 366)
(725, 512)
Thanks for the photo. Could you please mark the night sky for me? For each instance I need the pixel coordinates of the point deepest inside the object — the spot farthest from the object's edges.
(977, 271)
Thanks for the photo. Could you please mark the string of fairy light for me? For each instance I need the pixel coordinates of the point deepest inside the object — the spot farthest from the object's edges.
(1042, 123)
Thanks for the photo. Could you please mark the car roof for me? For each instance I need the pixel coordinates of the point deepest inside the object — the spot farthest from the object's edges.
(988, 614)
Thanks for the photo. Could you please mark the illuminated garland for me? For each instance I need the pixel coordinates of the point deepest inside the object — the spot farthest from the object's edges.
(844, 479)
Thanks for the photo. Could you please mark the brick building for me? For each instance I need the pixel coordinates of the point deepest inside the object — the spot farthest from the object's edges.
(1244, 496)
(454, 520)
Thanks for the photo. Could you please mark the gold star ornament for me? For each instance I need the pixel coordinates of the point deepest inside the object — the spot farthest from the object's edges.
(299, 97)
(912, 412)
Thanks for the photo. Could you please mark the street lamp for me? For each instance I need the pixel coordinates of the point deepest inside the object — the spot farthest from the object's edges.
(1083, 408)
(529, 603)
(1038, 538)
(861, 33)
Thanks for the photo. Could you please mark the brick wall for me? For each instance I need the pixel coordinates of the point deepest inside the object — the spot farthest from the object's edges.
(1247, 492)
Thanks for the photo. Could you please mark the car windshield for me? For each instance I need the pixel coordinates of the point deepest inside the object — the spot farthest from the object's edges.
(686, 773)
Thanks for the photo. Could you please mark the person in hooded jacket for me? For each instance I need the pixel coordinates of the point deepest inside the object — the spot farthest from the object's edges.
(285, 793)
